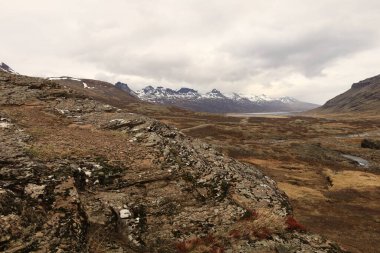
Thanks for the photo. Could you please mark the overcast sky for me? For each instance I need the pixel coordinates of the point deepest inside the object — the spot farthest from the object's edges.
(311, 50)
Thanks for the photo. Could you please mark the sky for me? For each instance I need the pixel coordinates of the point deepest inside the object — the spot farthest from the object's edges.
(307, 49)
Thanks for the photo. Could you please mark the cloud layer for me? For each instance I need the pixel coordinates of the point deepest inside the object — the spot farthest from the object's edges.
(307, 49)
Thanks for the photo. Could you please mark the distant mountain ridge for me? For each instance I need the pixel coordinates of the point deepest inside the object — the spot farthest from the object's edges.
(215, 101)
(363, 97)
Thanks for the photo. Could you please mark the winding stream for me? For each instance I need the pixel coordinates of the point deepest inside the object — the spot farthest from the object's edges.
(361, 162)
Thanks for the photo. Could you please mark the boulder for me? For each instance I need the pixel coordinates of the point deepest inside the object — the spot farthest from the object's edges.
(372, 144)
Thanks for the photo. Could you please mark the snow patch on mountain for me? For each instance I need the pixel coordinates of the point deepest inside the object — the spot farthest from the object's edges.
(214, 94)
(85, 85)
(288, 100)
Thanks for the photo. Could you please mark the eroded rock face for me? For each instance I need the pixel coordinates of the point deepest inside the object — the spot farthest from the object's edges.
(170, 194)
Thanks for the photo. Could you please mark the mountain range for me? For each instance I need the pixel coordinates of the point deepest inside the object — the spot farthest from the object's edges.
(363, 97)
(187, 98)
(215, 101)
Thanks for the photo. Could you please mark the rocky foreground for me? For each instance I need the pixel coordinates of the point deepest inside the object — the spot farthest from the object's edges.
(77, 175)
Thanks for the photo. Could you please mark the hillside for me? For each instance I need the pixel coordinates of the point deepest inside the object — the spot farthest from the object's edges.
(102, 91)
(363, 97)
(79, 175)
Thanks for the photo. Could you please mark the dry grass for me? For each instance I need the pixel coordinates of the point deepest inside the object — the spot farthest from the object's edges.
(56, 138)
(305, 194)
(358, 180)
(97, 239)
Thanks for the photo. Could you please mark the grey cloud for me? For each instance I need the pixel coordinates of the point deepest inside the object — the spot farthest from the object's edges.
(308, 53)
(275, 47)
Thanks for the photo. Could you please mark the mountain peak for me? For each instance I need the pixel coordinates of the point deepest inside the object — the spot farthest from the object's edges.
(186, 90)
(5, 68)
(125, 87)
(215, 91)
(122, 86)
(288, 100)
(148, 89)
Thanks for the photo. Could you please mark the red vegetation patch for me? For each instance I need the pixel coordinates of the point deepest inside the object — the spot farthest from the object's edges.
(235, 234)
(292, 224)
(181, 247)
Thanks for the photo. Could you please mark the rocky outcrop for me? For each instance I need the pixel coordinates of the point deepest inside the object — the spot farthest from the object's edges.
(157, 191)
(372, 144)
(40, 209)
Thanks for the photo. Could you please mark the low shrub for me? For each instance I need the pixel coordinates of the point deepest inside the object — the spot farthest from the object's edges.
(292, 224)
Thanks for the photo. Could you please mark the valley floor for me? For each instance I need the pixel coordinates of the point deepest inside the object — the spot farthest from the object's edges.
(331, 195)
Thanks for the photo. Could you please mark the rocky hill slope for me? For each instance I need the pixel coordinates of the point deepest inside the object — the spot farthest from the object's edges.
(78, 175)
(363, 97)
(215, 101)
(99, 90)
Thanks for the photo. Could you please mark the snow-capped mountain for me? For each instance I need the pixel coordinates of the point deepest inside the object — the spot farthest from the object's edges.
(5, 68)
(214, 94)
(163, 95)
(215, 101)
(288, 100)
(253, 98)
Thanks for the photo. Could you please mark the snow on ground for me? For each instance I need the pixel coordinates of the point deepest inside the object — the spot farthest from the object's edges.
(85, 85)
